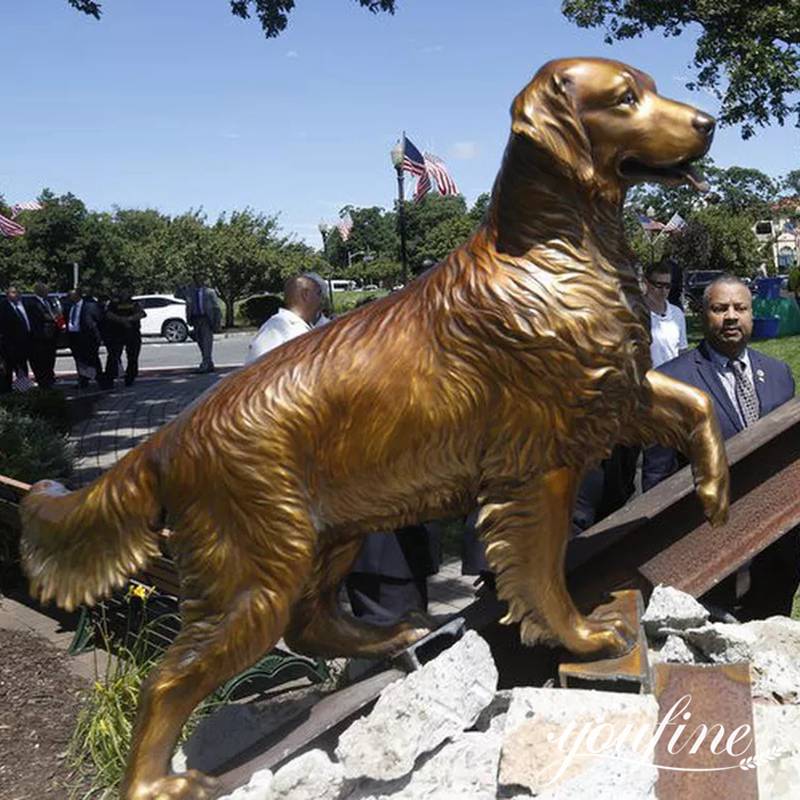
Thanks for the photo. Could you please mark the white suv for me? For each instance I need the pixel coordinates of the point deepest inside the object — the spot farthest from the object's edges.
(166, 316)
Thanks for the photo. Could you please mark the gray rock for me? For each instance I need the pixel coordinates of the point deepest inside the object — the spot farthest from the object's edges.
(771, 646)
(416, 714)
(777, 750)
(311, 775)
(258, 788)
(465, 768)
(677, 651)
(554, 740)
(673, 609)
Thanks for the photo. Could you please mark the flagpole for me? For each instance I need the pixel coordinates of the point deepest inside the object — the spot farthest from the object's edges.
(397, 161)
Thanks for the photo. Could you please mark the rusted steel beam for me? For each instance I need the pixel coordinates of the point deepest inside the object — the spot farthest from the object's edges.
(661, 537)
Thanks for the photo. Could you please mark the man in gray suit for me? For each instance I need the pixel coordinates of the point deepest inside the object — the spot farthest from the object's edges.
(204, 315)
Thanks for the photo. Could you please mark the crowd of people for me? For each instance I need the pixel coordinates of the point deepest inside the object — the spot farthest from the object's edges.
(32, 327)
(390, 575)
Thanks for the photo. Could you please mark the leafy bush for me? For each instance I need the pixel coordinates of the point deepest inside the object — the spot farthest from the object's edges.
(47, 404)
(257, 309)
(31, 448)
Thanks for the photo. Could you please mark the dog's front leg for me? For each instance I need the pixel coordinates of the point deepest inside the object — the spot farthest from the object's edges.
(526, 527)
(682, 417)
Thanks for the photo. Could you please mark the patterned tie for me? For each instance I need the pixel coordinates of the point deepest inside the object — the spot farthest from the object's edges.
(745, 393)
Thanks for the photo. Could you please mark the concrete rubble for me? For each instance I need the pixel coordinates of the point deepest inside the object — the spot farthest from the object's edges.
(446, 732)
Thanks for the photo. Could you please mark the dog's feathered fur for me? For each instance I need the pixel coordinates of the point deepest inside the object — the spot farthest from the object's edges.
(493, 379)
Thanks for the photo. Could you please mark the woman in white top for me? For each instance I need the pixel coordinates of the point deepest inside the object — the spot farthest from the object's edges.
(667, 322)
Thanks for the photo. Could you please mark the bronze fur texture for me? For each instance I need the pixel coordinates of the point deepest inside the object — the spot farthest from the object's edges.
(492, 380)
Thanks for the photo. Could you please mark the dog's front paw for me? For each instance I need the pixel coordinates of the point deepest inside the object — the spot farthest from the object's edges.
(608, 635)
(713, 494)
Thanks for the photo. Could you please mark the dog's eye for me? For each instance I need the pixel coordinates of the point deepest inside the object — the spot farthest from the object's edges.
(628, 99)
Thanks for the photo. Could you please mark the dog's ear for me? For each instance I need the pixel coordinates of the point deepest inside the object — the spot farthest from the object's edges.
(545, 113)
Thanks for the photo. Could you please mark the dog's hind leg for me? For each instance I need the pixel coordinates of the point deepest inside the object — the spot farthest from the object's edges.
(218, 640)
(526, 528)
(319, 627)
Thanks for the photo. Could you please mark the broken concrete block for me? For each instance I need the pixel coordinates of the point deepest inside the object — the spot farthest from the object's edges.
(672, 609)
(416, 714)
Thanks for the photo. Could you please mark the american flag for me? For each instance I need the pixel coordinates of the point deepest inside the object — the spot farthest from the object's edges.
(423, 187)
(413, 160)
(10, 228)
(345, 227)
(676, 223)
(444, 180)
(650, 225)
(30, 205)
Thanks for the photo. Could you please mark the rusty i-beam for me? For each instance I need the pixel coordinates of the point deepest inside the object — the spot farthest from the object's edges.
(661, 537)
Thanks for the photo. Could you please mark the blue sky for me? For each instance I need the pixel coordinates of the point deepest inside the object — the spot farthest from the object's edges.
(175, 104)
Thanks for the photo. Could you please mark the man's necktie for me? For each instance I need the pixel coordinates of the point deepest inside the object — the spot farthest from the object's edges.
(745, 393)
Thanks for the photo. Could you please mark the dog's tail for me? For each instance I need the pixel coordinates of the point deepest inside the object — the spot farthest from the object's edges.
(78, 546)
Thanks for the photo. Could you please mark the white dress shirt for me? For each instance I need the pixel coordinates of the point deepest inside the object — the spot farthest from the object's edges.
(20, 309)
(668, 331)
(279, 328)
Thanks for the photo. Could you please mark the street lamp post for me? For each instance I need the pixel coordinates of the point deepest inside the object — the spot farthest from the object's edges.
(324, 230)
(397, 163)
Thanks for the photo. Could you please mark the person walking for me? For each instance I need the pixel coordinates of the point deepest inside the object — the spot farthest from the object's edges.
(84, 318)
(204, 315)
(44, 333)
(15, 332)
(123, 331)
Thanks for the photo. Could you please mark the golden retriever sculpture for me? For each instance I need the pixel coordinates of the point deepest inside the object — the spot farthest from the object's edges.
(493, 379)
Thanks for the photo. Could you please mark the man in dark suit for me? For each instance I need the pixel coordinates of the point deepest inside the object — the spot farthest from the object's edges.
(204, 315)
(44, 330)
(15, 335)
(84, 317)
(744, 385)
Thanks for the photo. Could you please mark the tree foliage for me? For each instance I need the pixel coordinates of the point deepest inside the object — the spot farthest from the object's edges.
(272, 14)
(747, 54)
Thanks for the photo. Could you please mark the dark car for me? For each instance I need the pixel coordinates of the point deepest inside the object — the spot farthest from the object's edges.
(54, 298)
(695, 284)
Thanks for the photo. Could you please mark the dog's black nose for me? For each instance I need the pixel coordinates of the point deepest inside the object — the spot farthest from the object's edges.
(704, 123)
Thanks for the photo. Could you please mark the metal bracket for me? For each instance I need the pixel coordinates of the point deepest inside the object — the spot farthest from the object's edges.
(430, 646)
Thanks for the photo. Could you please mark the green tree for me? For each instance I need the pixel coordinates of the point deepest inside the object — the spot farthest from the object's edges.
(446, 236)
(241, 245)
(478, 211)
(790, 183)
(747, 52)
(272, 14)
(743, 189)
(717, 238)
(422, 218)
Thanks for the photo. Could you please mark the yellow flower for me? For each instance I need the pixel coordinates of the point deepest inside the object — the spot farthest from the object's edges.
(140, 591)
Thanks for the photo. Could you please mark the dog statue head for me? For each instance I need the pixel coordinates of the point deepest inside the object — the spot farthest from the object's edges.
(603, 123)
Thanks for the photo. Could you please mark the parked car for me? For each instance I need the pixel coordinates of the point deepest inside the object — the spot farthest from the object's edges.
(370, 287)
(695, 284)
(166, 316)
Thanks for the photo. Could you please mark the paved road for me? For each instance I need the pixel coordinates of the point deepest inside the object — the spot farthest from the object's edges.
(229, 350)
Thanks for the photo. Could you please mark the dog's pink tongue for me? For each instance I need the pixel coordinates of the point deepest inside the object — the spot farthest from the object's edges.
(697, 180)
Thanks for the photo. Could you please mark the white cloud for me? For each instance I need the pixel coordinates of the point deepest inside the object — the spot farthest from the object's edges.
(293, 54)
(465, 151)
(433, 48)
(231, 135)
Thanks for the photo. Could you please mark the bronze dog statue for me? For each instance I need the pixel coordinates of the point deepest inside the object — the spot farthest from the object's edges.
(493, 379)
